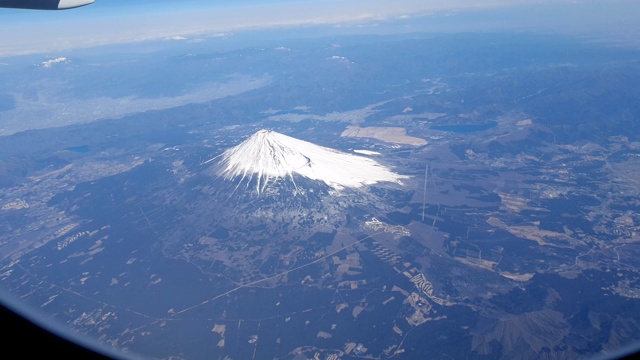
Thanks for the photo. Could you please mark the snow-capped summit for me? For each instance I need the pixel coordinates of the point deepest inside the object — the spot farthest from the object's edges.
(268, 156)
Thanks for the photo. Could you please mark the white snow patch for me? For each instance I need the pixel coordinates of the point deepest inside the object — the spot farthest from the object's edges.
(367, 152)
(49, 63)
(269, 156)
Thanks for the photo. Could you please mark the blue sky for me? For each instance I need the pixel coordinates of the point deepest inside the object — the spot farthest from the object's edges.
(121, 21)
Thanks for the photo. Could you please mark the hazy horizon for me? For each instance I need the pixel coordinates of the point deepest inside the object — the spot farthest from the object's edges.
(115, 21)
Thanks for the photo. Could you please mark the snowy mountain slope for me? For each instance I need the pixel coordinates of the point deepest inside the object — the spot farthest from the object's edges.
(268, 156)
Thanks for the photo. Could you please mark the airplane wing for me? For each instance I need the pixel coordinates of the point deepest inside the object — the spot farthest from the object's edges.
(44, 4)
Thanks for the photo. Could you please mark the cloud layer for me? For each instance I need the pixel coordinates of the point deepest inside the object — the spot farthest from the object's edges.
(105, 23)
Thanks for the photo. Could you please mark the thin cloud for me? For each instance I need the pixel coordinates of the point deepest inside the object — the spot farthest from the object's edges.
(176, 38)
(49, 63)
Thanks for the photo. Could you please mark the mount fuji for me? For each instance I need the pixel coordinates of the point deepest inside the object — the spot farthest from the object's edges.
(267, 157)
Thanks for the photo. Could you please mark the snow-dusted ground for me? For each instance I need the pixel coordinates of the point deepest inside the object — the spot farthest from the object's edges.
(366, 152)
(268, 156)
